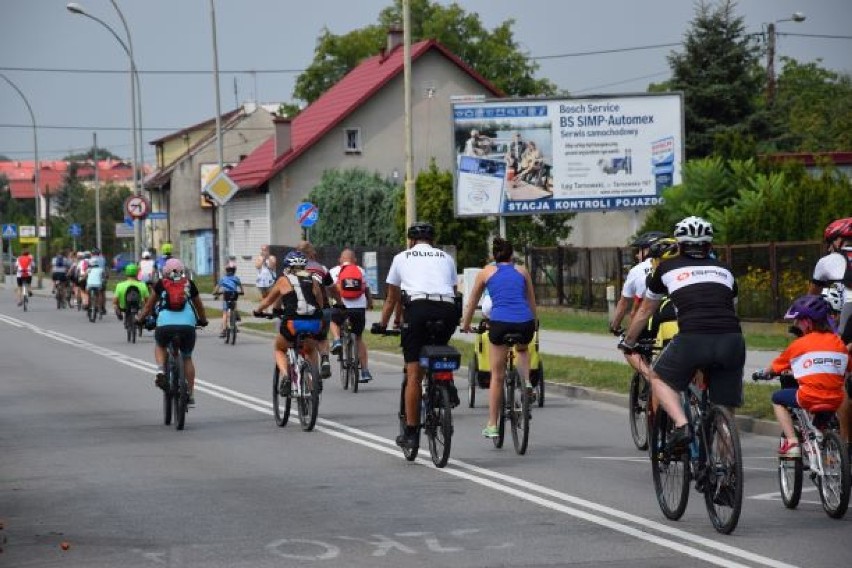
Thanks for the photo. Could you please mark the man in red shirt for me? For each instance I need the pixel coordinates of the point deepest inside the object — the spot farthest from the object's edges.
(24, 270)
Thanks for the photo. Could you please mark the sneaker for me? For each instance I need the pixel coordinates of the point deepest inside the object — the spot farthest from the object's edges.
(325, 367)
(160, 380)
(366, 377)
(678, 440)
(336, 346)
(531, 394)
(222, 333)
(410, 439)
(724, 496)
(490, 431)
(190, 401)
(239, 317)
(788, 449)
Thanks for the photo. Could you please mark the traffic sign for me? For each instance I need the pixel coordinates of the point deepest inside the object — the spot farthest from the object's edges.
(10, 231)
(307, 214)
(158, 215)
(75, 230)
(137, 207)
(221, 188)
(27, 231)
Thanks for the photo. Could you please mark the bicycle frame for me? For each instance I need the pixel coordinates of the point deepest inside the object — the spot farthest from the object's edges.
(349, 357)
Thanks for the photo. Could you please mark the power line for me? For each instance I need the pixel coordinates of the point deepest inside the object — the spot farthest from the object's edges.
(148, 72)
(632, 79)
(604, 51)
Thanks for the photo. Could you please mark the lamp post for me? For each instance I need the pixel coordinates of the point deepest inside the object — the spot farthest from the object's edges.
(770, 54)
(410, 185)
(36, 178)
(76, 8)
(221, 225)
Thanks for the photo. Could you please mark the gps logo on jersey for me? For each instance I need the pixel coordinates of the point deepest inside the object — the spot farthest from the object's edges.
(823, 361)
(683, 276)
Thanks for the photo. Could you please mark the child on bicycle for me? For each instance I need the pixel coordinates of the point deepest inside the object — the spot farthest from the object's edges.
(818, 360)
(230, 287)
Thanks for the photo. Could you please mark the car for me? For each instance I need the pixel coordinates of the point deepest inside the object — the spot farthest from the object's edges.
(121, 260)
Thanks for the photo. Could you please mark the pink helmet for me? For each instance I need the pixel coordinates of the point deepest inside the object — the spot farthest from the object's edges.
(173, 268)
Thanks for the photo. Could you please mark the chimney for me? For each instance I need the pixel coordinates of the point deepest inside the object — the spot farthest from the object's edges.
(283, 134)
(394, 38)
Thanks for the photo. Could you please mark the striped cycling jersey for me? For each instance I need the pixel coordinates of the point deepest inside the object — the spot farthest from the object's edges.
(818, 361)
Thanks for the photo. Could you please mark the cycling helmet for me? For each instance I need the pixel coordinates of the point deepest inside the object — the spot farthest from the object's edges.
(663, 248)
(647, 239)
(693, 230)
(838, 228)
(812, 307)
(834, 297)
(131, 270)
(87, 255)
(295, 260)
(173, 269)
(167, 248)
(146, 254)
(421, 230)
(96, 251)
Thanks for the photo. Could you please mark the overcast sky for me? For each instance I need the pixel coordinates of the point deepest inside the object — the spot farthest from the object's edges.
(44, 50)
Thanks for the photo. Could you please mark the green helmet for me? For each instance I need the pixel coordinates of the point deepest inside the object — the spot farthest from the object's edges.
(167, 248)
(131, 270)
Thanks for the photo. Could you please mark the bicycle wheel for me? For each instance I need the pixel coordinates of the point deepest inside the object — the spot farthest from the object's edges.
(790, 478)
(131, 321)
(92, 311)
(724, 491)
(308, 400)
(167, 400)
(58, 292)
(539, 373)
(519, 411)
(638, 409)
(26, 301)
(282, 415)
(409, 453)
(501, 418)
(232, 326)
(351, 356)
(439, 425)
(834, 482)
(472, 373)
(670, 472)
(181, 394)
(344, 374)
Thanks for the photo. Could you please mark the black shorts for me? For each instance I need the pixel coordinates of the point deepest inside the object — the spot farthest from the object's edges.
(357, 316)
(721, 354)
(24, 279)
(186, 333)
(497, 331)
(59, 276)
(414, 335)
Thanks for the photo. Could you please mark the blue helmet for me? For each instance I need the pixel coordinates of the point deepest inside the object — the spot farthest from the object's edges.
(812, 307)
(295, 260)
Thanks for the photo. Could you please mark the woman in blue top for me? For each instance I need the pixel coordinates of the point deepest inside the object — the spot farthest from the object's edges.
(513, 311)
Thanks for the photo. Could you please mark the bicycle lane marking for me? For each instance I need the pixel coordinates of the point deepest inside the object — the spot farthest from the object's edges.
(533, 493)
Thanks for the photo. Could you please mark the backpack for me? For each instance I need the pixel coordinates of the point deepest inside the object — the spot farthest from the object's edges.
(175, 293)
(350, 282)
(306, 303)
(132, 297)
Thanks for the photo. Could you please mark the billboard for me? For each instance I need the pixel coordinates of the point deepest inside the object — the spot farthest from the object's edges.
(540, 156)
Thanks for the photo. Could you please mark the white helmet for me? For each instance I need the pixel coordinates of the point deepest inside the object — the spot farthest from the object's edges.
(693, 230)
(146, 254)
(834, 297)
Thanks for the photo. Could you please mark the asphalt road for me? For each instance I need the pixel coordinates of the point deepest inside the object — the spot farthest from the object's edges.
(85, 460)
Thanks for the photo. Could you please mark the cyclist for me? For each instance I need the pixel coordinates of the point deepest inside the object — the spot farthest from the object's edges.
(320, 272)
(229, 286)
(59, 271)
(633, 289)
(129, 292)
(818, 360)
(96, 279)
(702, 290)
(301, 300)
(146, 268)
(512, 311)
(161, 261)
(351, 282)
(24, 266)
(180, 310)
(423, 279)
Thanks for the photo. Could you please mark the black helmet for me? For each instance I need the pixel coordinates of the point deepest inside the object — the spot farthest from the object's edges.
(421, 230)
(647, 239)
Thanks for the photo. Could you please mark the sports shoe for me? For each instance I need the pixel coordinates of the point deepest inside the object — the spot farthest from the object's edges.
(531, 394)
(410, 439)
(160, 380)
(325, 367)
(284, 387)
(190, 401)
(366, 377)
(336, 346)
(222, 333)
(678, 440)
(788, 449)
(490, 431)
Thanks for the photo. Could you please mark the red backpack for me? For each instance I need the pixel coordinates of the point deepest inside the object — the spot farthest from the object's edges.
(350, 282)
(176, 293)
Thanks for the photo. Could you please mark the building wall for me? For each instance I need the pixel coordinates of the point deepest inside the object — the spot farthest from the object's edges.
(606, 229)
(382, 122)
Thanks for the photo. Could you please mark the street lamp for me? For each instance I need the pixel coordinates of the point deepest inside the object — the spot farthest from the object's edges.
(770, 54)
(35, 179)
(135, 135)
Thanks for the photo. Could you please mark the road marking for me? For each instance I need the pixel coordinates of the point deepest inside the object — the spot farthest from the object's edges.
(543, 496)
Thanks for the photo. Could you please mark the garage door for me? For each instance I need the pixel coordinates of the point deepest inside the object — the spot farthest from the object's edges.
(248, 229)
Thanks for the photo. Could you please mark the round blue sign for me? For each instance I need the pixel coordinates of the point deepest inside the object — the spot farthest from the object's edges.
(307, 214)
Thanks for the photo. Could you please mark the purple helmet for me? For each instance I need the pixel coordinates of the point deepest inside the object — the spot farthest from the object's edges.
(814, 308)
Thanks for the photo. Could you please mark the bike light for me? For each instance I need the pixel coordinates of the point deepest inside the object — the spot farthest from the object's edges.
(443, 375)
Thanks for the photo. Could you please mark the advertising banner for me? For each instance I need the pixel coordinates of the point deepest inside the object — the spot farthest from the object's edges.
(540, 156)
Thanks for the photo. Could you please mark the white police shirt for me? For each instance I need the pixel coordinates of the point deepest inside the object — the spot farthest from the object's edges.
(423, 269)
(634, 284)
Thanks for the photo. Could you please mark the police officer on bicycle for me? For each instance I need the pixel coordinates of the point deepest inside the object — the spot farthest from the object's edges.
(423, 279)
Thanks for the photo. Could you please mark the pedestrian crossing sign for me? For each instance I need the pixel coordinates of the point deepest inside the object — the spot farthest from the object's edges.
(10, 231)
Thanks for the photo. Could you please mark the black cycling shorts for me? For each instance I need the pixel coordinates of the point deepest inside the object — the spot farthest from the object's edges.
(59, 276)
(22, 279)
(497, 331)
(186, 333)
(357, 316)
(415, 316)
(721, 354)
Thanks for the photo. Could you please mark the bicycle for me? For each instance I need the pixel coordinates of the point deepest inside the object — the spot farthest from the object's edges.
(350, 364)
(231, 309)
(93, 312)
(130, 325)
(639, 397)
(25, 295)
(302, 384)
(824, 454)
(436, 420)
(176, 393)
(63, 295)
(713, 460)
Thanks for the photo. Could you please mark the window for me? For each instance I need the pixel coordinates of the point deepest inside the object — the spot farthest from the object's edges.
(352, 140)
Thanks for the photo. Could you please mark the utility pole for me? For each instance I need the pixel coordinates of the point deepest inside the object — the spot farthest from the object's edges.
(410, 186)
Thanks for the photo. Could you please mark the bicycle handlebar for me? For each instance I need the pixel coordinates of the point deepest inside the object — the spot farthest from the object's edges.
(276, 313)
(762, 375)
(377, 329)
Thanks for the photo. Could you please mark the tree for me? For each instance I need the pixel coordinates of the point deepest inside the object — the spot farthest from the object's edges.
(721, 77)
(103, 154)
(494, 54)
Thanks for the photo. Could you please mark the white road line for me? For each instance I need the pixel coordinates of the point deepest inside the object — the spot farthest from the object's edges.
(519, 488)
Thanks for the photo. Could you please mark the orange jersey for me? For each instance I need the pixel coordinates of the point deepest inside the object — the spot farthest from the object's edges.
(819, 361)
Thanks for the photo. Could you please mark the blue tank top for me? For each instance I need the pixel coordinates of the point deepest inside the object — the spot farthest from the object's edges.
(508, 292)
